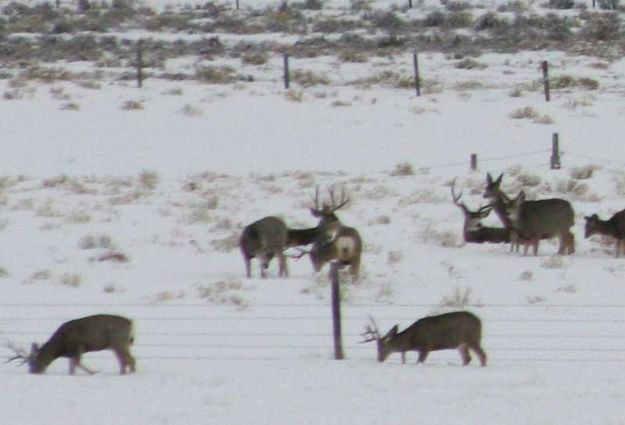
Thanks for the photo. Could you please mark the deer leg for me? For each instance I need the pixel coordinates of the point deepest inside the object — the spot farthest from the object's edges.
(284, 269)
(248, 266)
(480, 353)
(571, 243)
(403, 357)
(422, 355)
(535, 246)
(464, 353)
(75, 362)
(354, 269)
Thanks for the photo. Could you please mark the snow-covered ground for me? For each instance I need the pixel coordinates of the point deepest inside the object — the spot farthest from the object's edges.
(137, 211)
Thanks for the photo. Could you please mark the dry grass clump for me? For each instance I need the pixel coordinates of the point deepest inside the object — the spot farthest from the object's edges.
(403, 169)
(583, 173)
(461, 298)
(228, 292)
(215, 74)
(132, 105)
(529, 113)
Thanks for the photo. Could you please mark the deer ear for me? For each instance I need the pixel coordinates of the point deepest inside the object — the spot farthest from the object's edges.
(394, 330)
(34, 349)
(498, 181)
(315, 213)
(489, 178)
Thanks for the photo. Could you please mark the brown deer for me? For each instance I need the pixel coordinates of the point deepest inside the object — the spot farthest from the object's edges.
(333, 240)
(614, 227)
(264, 239)
(473, 230)
(459, 330)
(76, 337)
(531, 221)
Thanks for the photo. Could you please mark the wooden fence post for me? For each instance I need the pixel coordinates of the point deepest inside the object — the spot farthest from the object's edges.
(336, 311)
(237, 4)
(545, 66)
(555, 152)
(140, 63)
(287, 77)
(417, 78)
(473, 162)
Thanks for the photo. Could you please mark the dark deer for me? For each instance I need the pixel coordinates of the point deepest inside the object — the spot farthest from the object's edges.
(614, 227)
(531, 221)
(473, 230)
(77, 337)
(264, 239)
(334, 241)
(459, 330)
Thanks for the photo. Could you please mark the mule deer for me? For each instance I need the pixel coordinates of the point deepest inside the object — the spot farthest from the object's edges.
(76, 337)
(264, 239)
(334, 241)
(458, 330)
(473, 230)
(531, 221)
(614, 226)
(543, 219)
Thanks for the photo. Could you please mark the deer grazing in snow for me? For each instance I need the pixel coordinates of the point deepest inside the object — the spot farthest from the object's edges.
(532, 221)
(77, 337)
(458, 330)
(264, 239)
(331, 240)
(473, 230)
(614, 227)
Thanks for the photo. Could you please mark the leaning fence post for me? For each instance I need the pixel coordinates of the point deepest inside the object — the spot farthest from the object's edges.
(336, 311)
(555, 152)
(417, 78)
(287, 77)
(473, 161)
(545, 67)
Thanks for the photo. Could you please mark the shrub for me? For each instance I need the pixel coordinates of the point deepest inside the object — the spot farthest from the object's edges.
(403, 169)
(215, 74)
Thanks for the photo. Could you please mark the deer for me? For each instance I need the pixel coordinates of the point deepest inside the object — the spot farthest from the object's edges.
(614, 227)
(531, 221)
(459, 330)
(76, 337)
(331, 240)
(473, 230)
(264, 239)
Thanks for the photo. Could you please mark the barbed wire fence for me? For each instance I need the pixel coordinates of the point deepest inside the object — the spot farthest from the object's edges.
(280, 332)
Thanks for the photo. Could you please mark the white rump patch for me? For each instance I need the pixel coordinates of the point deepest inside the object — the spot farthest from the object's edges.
(345, 247)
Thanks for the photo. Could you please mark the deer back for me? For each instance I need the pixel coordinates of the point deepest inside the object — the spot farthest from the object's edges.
(267, 236)
(543, 218)
(92, 333)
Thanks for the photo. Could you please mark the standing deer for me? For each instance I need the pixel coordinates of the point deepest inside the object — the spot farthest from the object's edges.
(264, 239)
(458, 330)
(473, 230)
(615, 227)
(334, 241)
(532, 221)
(76, 337)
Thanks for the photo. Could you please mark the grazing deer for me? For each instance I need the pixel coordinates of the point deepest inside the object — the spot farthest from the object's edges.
(76, 337)
(531, 221)
(458, 330)
(264, 239)
(615, 227)
(334, 241)
(474, 231)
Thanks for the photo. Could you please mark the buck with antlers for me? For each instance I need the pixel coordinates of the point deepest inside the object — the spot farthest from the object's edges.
(76, 337)
(532, 221)
(331, 240)
(264, 239)
(473, 230)
(459, 330)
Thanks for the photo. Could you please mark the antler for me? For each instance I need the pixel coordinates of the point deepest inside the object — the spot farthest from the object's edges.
(344, 199)
(456, 198)
(301, 253)
(371, 332)
(20, 354)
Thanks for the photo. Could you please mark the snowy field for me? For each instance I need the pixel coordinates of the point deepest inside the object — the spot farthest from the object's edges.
(106, 207)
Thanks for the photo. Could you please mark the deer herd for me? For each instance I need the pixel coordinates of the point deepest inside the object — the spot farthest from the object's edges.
(524, 222)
